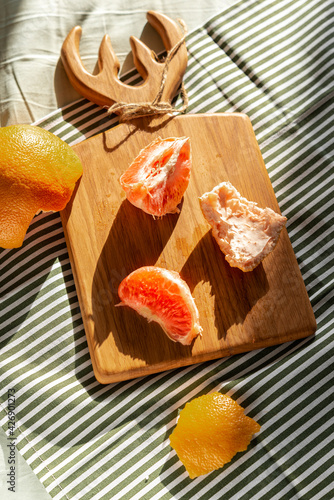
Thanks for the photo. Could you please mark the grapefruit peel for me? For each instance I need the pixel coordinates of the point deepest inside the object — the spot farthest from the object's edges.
(38, 172)
(210, 431)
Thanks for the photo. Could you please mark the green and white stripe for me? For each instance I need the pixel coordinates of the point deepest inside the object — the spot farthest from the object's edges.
(271, 59)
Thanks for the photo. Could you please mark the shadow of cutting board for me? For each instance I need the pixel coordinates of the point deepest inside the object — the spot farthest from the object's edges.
(108, 238)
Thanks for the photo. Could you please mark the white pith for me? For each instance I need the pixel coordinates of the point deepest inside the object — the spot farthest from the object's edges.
(167, 169)
(245, 232)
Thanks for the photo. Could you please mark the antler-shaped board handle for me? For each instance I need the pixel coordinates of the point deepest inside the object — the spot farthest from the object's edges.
(105, 88)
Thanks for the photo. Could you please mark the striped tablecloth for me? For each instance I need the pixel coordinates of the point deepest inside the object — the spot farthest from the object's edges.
(273, 60)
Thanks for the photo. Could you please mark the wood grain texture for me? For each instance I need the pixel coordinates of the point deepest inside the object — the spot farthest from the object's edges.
(108, 238)
(105, 88)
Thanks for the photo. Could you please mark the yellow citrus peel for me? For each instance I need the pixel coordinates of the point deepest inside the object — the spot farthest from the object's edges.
(38, 172)
(210, 430)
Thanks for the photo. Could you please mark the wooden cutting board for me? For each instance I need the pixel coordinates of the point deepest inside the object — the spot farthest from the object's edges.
(108, 238)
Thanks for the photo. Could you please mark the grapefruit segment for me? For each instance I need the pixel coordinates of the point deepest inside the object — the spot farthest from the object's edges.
(162, 296)
(158, 177)
(245, 233)
(210, 430)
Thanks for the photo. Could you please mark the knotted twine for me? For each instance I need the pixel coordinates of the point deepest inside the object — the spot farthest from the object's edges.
(128, 111)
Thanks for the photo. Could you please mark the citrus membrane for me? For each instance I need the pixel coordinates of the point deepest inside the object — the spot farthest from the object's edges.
(245, 233)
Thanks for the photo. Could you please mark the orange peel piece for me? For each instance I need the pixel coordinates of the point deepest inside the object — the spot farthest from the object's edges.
(245, 233)
(210, 430)
(38, 172)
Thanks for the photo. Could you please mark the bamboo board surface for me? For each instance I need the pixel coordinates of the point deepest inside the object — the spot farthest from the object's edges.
(108, 238)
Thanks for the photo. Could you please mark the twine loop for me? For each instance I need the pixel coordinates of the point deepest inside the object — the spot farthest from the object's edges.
(128, 111)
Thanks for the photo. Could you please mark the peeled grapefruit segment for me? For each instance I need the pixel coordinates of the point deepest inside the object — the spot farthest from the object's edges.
(158, 177)
(38, 172)
(210, 430)
(245, 233)
(162, 296)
